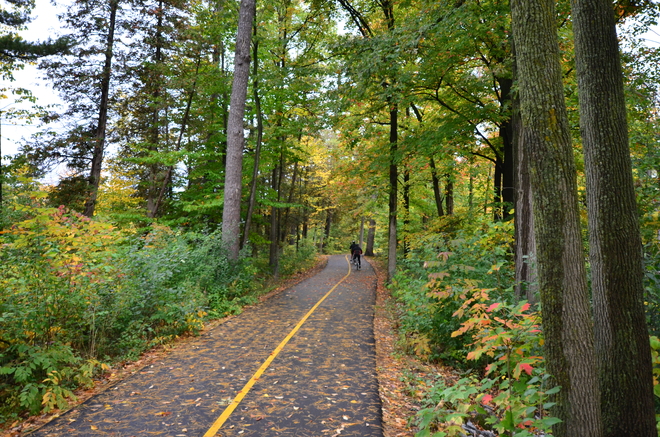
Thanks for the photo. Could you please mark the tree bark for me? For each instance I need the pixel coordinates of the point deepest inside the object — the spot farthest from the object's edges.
(231, 213)
(449, 194)
(274, 254)
(525, 284)
(525, 257)
(567, 326)
(622, 338)
(154, 131)
(406, 212)
(371, 236)
(362, 231)
(287, 210)
(508, 164)
(260, 134)
(328, 226)
(99, 135)
(436, 188)
(393, 194)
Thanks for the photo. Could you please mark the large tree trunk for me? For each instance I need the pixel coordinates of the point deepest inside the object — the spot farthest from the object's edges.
(567, 326)
(525, 285)
(362, 219)
(393, 194)
(231, 213)
(257, 150)
(622, 339)
(371, 236)
(99, 135)
(154, 130)
(525, 258)
(506, 132)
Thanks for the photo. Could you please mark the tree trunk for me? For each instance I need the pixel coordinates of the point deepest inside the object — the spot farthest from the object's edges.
(362, 231)
(436, 188)
(449, 194)
(567, 326)
(371, 236)
(231, 213)
(328, 225)
(497, 190)
(525, 256)
(260, 134)
(99, 135)
(471, 188)
(622, 338)
(506, 133)
(525, 284)
(393, 194)
(166, 184)
(154, 170)
(287, 210)
(406, 212)
(274, 254)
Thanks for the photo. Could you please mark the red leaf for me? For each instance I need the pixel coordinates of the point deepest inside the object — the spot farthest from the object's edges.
(525, 307)
(527, 368)
(492, 307)
(486, 399)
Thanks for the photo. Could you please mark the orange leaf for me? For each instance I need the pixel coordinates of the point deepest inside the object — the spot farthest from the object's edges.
(493, 307)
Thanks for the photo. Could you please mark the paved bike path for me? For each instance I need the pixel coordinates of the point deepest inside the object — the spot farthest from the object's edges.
(321, 383)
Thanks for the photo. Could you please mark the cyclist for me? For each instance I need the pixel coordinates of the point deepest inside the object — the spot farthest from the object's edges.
(356, 251)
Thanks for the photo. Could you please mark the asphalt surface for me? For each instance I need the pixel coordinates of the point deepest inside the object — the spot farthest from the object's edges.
(245, 379)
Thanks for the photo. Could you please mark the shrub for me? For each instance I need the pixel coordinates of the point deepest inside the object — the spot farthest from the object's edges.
(432, 284)
(513, 396)
(75, 291)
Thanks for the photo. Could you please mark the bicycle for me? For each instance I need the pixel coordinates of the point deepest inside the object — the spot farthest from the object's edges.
(355, 260)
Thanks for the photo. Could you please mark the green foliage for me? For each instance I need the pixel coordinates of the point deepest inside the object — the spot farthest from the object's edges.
(435, 280)
(75, 291)
(299, 258)
(457, 282)
(652, 287)
(513, 397)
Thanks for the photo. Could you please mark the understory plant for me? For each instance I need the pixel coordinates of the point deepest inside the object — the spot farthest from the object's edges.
(434, 278)
(513, 394)
(76, 293)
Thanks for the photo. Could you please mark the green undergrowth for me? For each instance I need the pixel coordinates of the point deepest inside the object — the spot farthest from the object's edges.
(456, 306)
(79, 294)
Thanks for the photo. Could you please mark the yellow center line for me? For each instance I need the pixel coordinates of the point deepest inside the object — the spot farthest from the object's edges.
(246, 388)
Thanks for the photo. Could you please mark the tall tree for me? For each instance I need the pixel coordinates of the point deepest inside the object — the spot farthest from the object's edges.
(102, 122)
(231, 213)
(622, 343)
(86, 82)
(567, 323)
(260, 133)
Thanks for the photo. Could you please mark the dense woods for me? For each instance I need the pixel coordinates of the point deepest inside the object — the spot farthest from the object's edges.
(501, 159)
